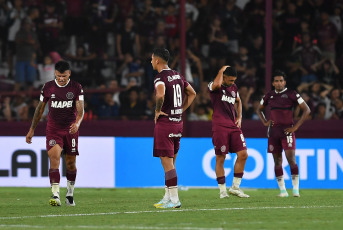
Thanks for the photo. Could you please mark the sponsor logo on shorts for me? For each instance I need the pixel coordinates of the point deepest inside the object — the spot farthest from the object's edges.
(175, 135)
(271, 147)
(175, 119)
(73, 149)
(70, 95)
(289, 144)
(223, 148)
(233, 93)
(52, 142)
(244, 145)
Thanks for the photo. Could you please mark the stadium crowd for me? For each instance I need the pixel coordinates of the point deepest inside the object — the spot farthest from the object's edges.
(109, 43)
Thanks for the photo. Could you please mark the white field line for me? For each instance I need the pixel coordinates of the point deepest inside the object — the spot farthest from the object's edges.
(161, 211)
(102, 227)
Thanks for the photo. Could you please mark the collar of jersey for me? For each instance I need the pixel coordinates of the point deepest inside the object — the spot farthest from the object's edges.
(62, 85)
(165, 69)
(281, 91)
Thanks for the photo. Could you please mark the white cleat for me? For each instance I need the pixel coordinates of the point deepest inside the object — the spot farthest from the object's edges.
(296, 193)
(238, 192)
(223, 195)
(283, 193)
(70, 201)
(162, 202)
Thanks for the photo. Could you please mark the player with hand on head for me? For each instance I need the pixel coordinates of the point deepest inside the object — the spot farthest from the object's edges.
(173, 96)
(66, 110)
(227, 135)
(281, 128)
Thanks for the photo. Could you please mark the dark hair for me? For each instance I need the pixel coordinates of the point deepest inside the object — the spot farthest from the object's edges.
(230, 71)
(62, 66)
(162, 53)
(278, 73)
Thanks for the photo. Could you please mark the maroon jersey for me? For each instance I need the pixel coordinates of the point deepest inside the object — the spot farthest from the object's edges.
(281, 105)
(223, 101)
(175, 85)
(62, 102)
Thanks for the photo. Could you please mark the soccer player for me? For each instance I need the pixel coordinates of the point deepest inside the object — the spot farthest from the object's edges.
(281, 128)
(66, 109)
(227, 135)
(173, 96)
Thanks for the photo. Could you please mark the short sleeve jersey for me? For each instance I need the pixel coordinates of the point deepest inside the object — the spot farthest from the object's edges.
(223, 102)
(281, 105)
(62, 102)
(175, 85)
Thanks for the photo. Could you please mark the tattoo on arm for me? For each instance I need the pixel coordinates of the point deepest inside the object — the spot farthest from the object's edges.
(159, 103)
(38, 114)
(80, 110)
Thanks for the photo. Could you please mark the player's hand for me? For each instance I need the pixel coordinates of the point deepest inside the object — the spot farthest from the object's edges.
(268, 123)
(157, 114)
(74, 128)
(223, 68)
(29, 136)
(238, 122)
(290, 130)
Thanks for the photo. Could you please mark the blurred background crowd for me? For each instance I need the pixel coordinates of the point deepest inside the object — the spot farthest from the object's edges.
(109, 43)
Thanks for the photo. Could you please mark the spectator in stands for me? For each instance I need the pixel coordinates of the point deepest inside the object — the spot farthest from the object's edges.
(339, 109)
(46, 72)
(20, 108)
(132, 108)
(108, 108)
(131, 70)
(16, 16)
(128, 40)
(26, 45)
(320, 112)
(5, 8)
(327, 71)
(50, 26)
(327, 36)
(5, 110)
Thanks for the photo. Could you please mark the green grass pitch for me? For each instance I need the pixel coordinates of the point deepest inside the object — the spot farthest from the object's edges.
(28, 208)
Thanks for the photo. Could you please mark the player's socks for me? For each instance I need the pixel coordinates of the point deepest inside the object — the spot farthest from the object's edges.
(237, 179)
(295, 180)
(171, 182)
(71, 176)
(222, 187)
(54, 175)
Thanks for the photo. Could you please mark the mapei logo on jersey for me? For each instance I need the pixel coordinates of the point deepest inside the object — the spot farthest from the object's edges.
(228, 99)
(52, 142)
(61, 104)
(70, 95)
(174, 77)
(284, 96)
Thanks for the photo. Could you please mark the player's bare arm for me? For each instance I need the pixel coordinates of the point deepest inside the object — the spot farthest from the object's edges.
(306, 111)
(238, 121)
(36, 118)
(160, 89)
(190, 96)
(80, 112)
(262, 117)
(218, 81)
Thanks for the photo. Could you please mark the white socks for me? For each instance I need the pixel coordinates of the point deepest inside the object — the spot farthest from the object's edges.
(236, 182)
(281, 183)
(70, 188)
(55, 188)
(295, 181)
(173, 193)
(222, 187)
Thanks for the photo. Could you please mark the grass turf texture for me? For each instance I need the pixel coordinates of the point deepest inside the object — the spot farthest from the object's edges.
(28, 208)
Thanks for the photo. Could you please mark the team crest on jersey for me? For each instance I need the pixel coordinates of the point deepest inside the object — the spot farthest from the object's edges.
(284, 96)
(70, 95)
(223, 148)
(52, 142)
(233, 93)
(271, 147)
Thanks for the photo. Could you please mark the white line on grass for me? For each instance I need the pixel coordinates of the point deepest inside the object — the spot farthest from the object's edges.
(103, 227)
(161, 211)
